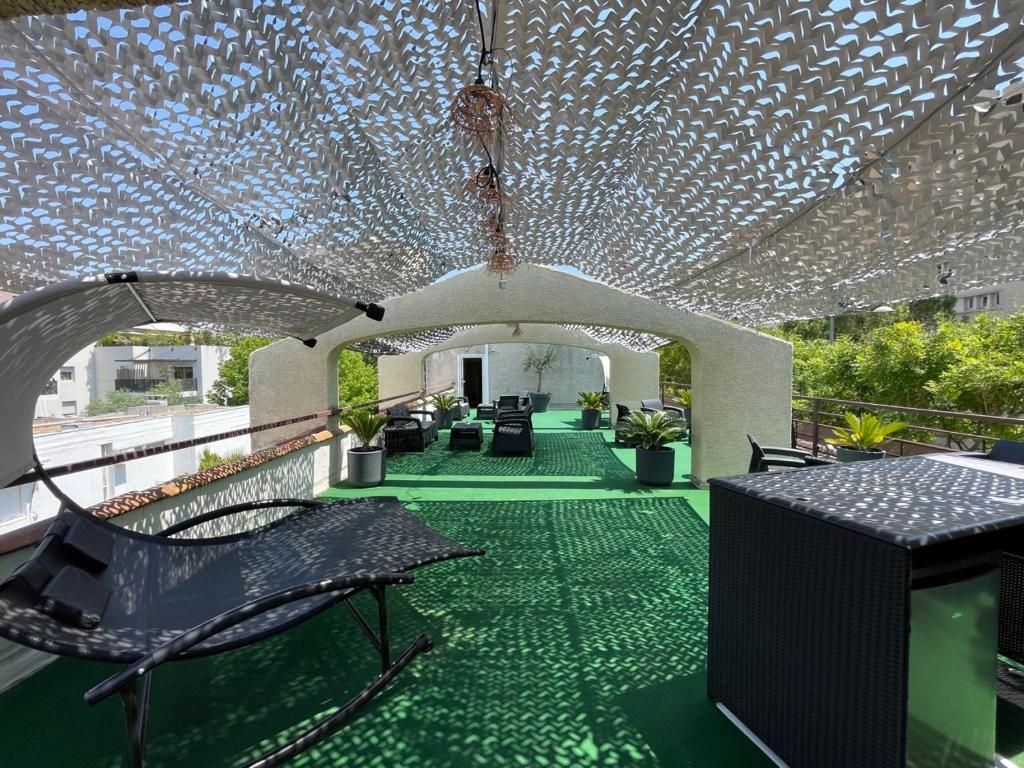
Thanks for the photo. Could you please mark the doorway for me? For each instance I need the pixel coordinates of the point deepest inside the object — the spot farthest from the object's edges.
(471, 378)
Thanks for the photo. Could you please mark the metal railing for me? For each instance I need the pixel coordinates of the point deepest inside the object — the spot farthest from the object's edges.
(927, 430)
(145, 385)
(118, 458)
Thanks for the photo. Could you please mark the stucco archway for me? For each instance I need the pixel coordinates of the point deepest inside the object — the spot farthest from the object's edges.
(632, 375)
(742, 380)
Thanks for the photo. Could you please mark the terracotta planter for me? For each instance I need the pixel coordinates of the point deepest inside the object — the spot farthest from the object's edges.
(656, 466)
(367, 467)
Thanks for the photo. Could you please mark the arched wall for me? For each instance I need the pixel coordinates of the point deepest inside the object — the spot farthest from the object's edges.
(742, 380)
(632, 375)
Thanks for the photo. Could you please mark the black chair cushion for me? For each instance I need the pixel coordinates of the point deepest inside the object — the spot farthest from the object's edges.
(1011, 451)
(74, 597)
(89, 544)
(399, 410)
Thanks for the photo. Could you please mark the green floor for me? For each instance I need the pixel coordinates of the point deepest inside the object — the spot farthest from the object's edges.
(577, 641)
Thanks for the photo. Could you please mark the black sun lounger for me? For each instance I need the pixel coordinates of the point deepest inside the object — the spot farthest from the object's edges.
(95, 590)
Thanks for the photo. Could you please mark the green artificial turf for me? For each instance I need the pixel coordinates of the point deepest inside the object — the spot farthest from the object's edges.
(579, 640)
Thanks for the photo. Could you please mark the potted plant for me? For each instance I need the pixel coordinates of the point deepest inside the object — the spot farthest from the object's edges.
(685, 399)
(366, 462)
(446, 404)
(592, 404)
(860, 442)
(652, 432)
(538, 362)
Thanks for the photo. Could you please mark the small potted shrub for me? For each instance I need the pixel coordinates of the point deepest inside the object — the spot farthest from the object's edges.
(366, 462)
(538, 362)
(652, 432)
(860, 442)
(446, 405)
(684, 397)
(592, 404)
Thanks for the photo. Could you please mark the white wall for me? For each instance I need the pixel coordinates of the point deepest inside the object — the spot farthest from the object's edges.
(78, 391)
(22, 505)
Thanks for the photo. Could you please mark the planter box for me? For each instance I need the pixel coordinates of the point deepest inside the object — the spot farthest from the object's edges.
(655, 467)
(844, 454)
(366, 468)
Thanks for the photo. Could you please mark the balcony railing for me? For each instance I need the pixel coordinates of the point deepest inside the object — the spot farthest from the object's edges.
(147, 385)
(927, 431)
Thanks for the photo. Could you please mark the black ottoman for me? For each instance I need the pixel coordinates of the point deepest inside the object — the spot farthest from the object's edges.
(468, 435)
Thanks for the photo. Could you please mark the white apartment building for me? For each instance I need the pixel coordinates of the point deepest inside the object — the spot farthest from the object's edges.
(96, 371)
(1006, 299)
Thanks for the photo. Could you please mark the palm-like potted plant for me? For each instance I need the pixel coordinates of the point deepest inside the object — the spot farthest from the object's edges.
(445, 404)
(366, 462)
(592, 404)
(860, 442)
(538, 362)
(684, 397)
(652, 432)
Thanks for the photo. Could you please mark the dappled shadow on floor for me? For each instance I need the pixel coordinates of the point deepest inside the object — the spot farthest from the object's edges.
(582, 613)
(557, 453)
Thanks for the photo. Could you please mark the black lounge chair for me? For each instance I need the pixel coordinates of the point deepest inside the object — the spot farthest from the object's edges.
(652, 405)
(765, 457)
(513, 433)
(622, 413)
(95, 590)
(406, 433)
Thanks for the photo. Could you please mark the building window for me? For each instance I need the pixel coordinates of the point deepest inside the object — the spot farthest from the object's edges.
(183, 372)
(969, 302)
(50, 388)
(67, 373)
(69, 407)
(984, 301)
(995, 299)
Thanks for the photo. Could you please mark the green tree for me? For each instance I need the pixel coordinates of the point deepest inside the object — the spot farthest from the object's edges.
(117, 401)
(357, 378)
(171, 391)
(232, 384)
(675, 363)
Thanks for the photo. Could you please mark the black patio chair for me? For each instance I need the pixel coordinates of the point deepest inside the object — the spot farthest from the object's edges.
(95, 590)
(509, 403)
(512, 434)
(622, 413)
(405, 433)
(652, 405)
(765, 457)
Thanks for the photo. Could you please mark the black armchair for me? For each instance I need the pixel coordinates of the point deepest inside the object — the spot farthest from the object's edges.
(512, 434)
(462, 408)
(405, 433)
(764, 457)
(622, 413)
(650, 406)
(509, 403)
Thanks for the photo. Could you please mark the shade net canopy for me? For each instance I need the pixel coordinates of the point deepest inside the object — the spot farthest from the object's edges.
(41, 329)
(759, 160)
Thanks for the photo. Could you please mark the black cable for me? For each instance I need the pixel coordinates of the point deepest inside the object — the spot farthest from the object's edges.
(483, 45)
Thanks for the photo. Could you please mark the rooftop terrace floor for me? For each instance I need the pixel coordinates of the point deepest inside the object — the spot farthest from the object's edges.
(579, 640)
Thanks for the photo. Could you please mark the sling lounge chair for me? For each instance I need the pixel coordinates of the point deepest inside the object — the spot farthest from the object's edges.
(92, 589)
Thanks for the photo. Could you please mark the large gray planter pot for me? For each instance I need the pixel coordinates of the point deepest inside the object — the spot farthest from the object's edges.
(591, 419)
(844, 454)
(540, 401)
(367, 467)
(656, 466)
(445, 419)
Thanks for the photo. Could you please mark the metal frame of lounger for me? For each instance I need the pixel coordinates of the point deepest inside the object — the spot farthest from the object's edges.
(135, 681)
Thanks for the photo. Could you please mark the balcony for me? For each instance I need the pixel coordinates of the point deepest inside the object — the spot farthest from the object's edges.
(143, 385)
(578, 640)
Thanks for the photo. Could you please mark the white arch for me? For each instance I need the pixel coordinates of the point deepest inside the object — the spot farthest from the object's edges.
(742, 380)
(633, 375)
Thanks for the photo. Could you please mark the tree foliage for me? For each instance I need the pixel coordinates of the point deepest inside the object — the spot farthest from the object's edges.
(357, 378)
(117, 401)
(232, 384)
